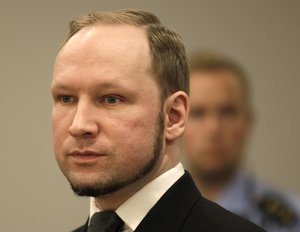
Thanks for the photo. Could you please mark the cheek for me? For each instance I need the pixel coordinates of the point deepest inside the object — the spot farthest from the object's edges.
(133, 144)
(60, 128)
(236, 135)
(187, 136)
(192, 140)
(133, 133)
(191, 131)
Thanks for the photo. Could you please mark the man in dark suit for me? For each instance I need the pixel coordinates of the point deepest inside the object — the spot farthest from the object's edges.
(120, 91)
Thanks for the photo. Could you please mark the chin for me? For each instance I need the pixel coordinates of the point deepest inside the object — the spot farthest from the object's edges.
(84, 179)
(96, 185)
(88, 185)
(213, 165)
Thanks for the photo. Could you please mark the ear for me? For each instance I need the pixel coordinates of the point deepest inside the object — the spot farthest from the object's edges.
(176, 110)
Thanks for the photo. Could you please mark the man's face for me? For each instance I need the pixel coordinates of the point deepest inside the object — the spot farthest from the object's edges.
(107, 132)
(218, 123)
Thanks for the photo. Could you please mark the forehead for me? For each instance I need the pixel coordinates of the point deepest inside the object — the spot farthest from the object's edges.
(107, 36)
(215, 87)
(98, 45)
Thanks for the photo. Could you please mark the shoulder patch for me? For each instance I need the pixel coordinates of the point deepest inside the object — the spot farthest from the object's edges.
(275, 209)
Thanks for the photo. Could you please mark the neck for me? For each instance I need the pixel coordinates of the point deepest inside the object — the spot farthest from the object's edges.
(114, 200)
(212, 186)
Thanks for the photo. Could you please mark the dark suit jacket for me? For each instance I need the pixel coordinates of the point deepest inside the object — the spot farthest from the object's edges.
(183, 209)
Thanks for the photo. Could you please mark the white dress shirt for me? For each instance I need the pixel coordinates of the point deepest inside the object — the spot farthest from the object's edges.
(136, 207)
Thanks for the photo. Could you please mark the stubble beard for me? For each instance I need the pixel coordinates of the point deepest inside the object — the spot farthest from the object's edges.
(101, 189)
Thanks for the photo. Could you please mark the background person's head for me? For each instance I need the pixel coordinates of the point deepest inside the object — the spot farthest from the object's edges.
(120, 88)
(220, 116)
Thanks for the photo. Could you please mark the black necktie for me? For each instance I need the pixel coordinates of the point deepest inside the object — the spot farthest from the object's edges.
(105, 221)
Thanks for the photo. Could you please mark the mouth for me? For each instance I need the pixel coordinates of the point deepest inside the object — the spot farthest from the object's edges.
(86, 156)
(215, 151)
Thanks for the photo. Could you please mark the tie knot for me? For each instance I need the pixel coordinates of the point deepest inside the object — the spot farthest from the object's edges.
(105, 221)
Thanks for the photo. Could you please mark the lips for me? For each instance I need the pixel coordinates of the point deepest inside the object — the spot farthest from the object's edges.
(86, 156)
(215, 151)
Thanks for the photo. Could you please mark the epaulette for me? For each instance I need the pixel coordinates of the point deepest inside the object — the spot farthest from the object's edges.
(276, 210)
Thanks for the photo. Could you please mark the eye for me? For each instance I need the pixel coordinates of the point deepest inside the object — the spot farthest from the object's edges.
(196, 113)
(111, 100)
(66, 99)
(228, 111)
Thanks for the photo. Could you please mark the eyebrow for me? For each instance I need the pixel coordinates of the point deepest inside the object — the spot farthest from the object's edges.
(104, 84)
(114, 84)
(59, 86)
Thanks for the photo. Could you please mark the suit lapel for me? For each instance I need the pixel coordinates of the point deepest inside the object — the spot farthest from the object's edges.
(170, 211)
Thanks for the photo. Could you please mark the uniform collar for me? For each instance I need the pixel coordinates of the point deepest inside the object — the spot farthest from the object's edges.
(237, 196)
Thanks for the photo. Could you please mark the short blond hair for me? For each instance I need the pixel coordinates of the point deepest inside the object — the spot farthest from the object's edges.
(168, 57)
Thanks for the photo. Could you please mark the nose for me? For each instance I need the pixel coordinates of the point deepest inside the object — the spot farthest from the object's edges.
(213, 125)
(84, 124)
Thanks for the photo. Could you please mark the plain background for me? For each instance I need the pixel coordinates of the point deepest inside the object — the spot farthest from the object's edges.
(264, 36)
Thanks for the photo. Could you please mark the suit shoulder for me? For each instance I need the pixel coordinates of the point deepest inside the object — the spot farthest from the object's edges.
(217, 219)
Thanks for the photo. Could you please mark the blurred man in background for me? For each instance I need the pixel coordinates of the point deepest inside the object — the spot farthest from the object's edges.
(220, 121)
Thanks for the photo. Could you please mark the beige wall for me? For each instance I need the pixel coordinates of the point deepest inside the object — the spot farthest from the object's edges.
(262, 35)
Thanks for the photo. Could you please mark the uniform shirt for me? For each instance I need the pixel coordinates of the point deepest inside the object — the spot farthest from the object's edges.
(136, 207)
(262, 204)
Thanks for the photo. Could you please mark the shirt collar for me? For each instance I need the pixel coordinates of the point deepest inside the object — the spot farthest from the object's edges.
(136, 207)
